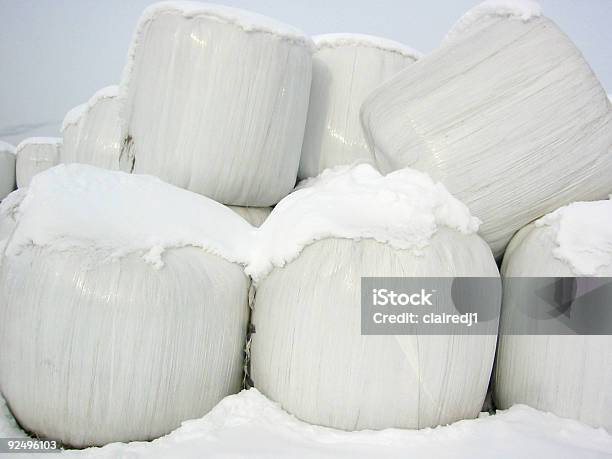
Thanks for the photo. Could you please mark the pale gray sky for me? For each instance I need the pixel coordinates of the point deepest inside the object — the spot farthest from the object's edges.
(54, 54)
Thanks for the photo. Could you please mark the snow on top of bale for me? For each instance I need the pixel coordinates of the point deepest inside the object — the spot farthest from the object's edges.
(583, 235)
(404, 209)
(333, 40)
(75, 114)
(111, 214)
(520, 9)
(38, 141)
(6, 147)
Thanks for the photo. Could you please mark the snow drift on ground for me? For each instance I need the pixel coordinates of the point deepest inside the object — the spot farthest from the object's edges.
(249, 425)
(583, 235)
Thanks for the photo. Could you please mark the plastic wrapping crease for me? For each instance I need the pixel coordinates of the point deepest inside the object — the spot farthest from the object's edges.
(226, 118)
(508, 115)
(92, 133)
(308, 353)
(570, 376)
(345, 69)
(7, 169)
(35, 155)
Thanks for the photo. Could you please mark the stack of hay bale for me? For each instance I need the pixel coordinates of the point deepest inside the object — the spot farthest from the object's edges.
(128, 280)
(130, 342)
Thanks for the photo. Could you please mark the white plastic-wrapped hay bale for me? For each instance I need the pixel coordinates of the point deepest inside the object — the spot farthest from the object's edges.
(92, 132)
(570, 376)
(226, 117)
(122, 310)
(7, 169)
(507, 114)
(307, 351)
(254, 215)
(345, 70)
(34, 155)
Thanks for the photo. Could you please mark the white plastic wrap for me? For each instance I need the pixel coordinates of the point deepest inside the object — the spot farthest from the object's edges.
(254, 215)
(118, 351)
(7, 169)
(507, 114)
(308, 353)
(226, 116)
(92, 132)
(122, 313)
(570, 376)
(35, 155)
(345, 69)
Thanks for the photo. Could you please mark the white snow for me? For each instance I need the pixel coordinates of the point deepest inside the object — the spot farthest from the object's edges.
(249, 425)
(5, 146)
(114, 214)
(333, 40)
(520, 9)
(583, 235)
(404, 209)
(74, 115)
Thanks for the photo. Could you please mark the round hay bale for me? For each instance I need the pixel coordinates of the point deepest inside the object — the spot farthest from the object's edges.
(308, 353)
(568, 375)
(120, 351)
(92, 133)
(35, 155)
(122, 309)
(346, 68)
(229, 110)
(497, 114)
